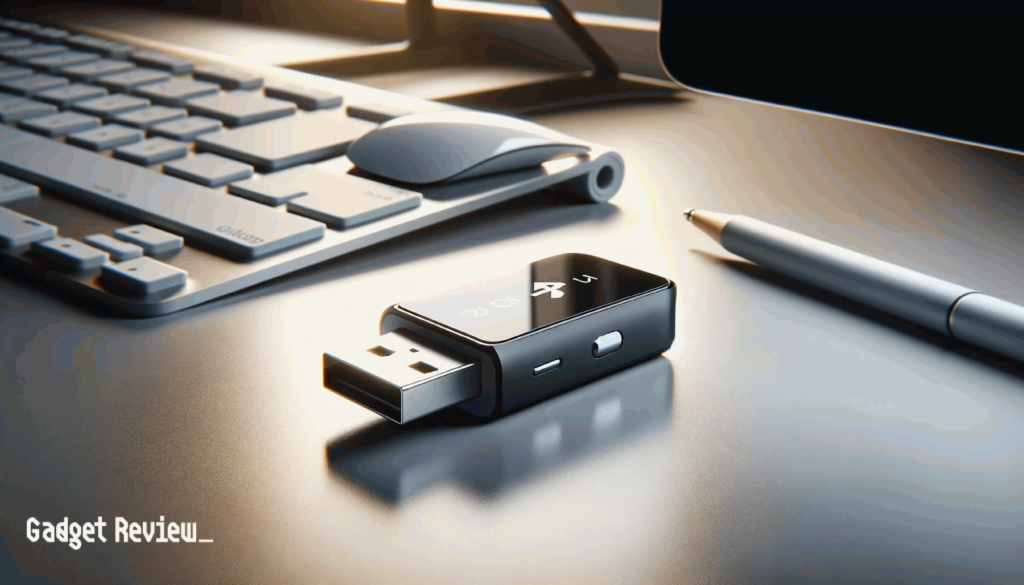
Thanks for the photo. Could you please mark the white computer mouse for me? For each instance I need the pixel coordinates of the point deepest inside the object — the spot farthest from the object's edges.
(435, 147)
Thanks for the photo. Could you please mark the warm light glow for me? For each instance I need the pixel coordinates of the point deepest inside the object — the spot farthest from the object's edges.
(501, 9)
(553, 167)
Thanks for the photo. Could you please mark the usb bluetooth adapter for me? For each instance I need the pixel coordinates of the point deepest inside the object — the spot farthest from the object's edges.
(494, 346)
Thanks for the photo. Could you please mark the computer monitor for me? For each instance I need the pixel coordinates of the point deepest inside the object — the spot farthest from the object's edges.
(940, 68)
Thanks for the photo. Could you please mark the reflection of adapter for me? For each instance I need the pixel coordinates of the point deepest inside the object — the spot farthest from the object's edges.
(497, 345)
(397, 463)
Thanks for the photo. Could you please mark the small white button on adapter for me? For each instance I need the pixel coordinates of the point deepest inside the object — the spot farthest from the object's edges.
(606, 344)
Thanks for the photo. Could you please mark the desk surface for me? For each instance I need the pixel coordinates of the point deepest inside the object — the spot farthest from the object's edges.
(787, 436)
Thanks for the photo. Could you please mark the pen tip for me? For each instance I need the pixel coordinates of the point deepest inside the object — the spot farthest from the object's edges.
(688, 213)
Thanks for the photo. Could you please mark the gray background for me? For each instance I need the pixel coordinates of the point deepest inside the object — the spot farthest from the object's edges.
(803, 438)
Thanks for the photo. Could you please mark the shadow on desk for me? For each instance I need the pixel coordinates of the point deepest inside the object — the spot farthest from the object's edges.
(395, 463)
(817, 295)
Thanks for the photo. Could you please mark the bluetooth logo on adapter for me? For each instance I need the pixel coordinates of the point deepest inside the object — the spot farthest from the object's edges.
(540, 288)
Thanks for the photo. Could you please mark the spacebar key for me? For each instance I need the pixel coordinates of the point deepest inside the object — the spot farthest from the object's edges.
(230, 224)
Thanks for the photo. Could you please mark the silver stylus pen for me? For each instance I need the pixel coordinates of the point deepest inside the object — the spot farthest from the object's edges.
(960, 312)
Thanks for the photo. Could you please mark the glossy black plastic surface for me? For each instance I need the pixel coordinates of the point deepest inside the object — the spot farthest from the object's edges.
(638, 305)
(545, 292)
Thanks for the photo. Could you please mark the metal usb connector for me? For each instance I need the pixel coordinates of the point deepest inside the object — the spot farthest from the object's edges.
(402, 376)
(477, 347)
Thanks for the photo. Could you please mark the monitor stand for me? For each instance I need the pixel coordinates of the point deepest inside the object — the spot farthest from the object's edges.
(426, 48)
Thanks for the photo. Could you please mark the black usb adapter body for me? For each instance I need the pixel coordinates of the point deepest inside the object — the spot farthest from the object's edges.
(494, 346)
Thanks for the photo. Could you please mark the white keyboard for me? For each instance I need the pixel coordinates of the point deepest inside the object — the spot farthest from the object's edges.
(153, 180)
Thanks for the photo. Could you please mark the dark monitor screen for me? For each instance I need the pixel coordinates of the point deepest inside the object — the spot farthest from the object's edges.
(942, 68)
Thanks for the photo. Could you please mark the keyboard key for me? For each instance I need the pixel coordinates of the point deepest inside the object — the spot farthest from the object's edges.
(21, 230)
(129, 80)
(152, 151)
(238, 108)
(285, 143)
(105, 137)
(186, 129)
(14, 72)
(346, 201)
(151, 116)
(228, 78)
(32, 84)
(144, 276)
(150, 239)
(70, 253)
(119, 251)
(107, 48)
(209, 169)
(94, 69)
(275, 188)
(224, 222)
(60, 124)
(308, 98)
(19, 26)
(14, 43)
(63, 97)
(22, 54)
(175, 65)
(378, 113)
(84, 41)
(110, 105)
(12, 190)
(117, 50)
(54, 63)
(23, 108)
(50, 34)
(176, 91)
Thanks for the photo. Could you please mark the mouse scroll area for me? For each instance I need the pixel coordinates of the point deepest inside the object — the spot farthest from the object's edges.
(437, 147)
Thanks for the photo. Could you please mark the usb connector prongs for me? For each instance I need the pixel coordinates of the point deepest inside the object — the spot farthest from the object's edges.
(402, 376)
(492, 346)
